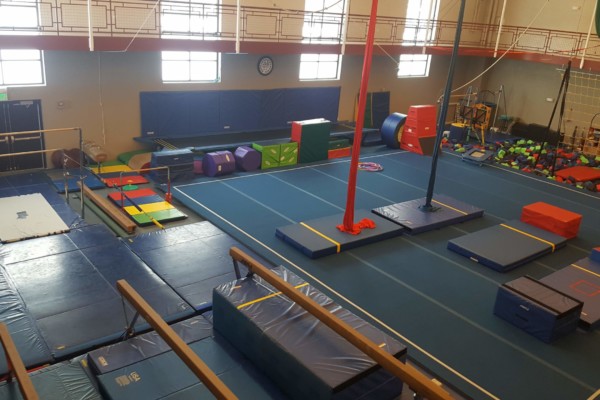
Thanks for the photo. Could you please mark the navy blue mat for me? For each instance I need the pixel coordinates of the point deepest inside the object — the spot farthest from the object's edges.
(580, 280)
(66, 380)
(68, 283)
(165, 376)
(192, 259)
(420, 290)
(506, 246)
(91, 181)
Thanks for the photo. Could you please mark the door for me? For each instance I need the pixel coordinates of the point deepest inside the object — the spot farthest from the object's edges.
(20, 116)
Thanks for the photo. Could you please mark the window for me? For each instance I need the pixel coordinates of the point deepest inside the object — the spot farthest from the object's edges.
(418, 30)
(19, 15)
(193, 18)
(320, 66)
(323, 21)
(411, 65)
(21, 68)
(191, 66)
(323, 24)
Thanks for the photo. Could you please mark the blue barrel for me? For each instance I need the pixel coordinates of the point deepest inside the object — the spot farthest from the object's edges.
(391, 130)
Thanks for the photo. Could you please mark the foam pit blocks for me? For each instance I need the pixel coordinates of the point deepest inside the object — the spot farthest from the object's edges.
(218, 163)
(537, 308)
(247, 159)
(551, 218)
(303, 356)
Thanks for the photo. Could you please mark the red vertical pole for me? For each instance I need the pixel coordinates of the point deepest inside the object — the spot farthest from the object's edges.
(360, 120)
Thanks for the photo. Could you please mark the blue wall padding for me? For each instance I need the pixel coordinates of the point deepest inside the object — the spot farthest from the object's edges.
(538, 309)
(380, 108)
(272, 108)
(240, 110)
(186, 114)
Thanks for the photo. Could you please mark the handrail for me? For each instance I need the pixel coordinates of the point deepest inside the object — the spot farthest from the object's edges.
(16, 366)
(187, 355)
(408, 374)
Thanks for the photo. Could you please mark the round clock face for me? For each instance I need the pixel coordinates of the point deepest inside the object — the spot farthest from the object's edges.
(265, 65)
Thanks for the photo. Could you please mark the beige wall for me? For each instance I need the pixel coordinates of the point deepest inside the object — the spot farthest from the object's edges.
(100, 91)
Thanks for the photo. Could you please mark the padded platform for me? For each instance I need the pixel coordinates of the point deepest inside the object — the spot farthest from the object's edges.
(506, 246)
(151, 205)
(150, 344)
(579, 173)
(320, 237)
(165, 376)
(73, 179)
(66, 380)
(551, 218)
(580, 280)
(302, 355)
(192, 259)
(409, 215)
(28, 216)
(538, 309)
(68, 283)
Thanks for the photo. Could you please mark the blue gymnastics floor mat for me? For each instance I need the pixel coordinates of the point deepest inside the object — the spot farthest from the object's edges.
(192, 259)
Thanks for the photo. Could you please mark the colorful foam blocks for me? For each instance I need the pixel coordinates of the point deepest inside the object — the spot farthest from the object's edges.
(538, 309)
(339, 153)
(277, 154)
(218, 163)
(247, 159)
(304, 357)
(312, 137)
(552, 219)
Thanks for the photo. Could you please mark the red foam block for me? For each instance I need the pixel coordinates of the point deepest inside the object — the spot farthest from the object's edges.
(551, 218)
(580, 173)
(125, 180)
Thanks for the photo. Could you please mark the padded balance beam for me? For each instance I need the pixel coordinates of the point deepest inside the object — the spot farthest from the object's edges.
(408, 374)
(187, 355)
(16, 366)
(106, 206)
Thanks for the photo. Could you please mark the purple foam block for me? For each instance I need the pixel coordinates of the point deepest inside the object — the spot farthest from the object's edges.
(247, 159)
(218, 163)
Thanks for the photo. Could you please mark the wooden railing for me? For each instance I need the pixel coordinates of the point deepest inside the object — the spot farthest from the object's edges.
(16, 366)
(121, 19)
(412, 377)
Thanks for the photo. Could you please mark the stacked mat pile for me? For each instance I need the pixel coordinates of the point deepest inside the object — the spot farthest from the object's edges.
(303, 356)
(115, 173)
(144, 367)
(145, 205)
(180, 164)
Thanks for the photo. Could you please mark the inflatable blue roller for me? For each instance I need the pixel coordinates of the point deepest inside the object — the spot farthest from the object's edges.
(391, 130)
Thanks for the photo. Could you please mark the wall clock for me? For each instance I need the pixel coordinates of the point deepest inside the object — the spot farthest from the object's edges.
(265, 65)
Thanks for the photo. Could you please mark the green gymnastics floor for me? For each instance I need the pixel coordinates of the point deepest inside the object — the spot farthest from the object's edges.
(435, 301)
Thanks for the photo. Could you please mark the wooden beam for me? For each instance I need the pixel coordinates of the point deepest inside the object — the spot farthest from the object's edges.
(109, 208)
(408, 374)
(15, 365)
(187, 355)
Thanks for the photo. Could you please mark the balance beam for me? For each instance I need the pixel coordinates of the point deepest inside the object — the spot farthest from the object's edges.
(16, 366)
(408, 374)
(187, 355)
(113, 212)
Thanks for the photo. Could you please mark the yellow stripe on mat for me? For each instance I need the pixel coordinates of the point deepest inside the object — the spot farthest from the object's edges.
(268, 297)
(586, 270)
(337, 244)
(531, 236)
(452, 208)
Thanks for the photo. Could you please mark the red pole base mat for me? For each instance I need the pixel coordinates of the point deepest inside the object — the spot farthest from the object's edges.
(364, 223)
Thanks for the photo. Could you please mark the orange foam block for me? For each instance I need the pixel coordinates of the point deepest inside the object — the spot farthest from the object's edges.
(551, 218)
